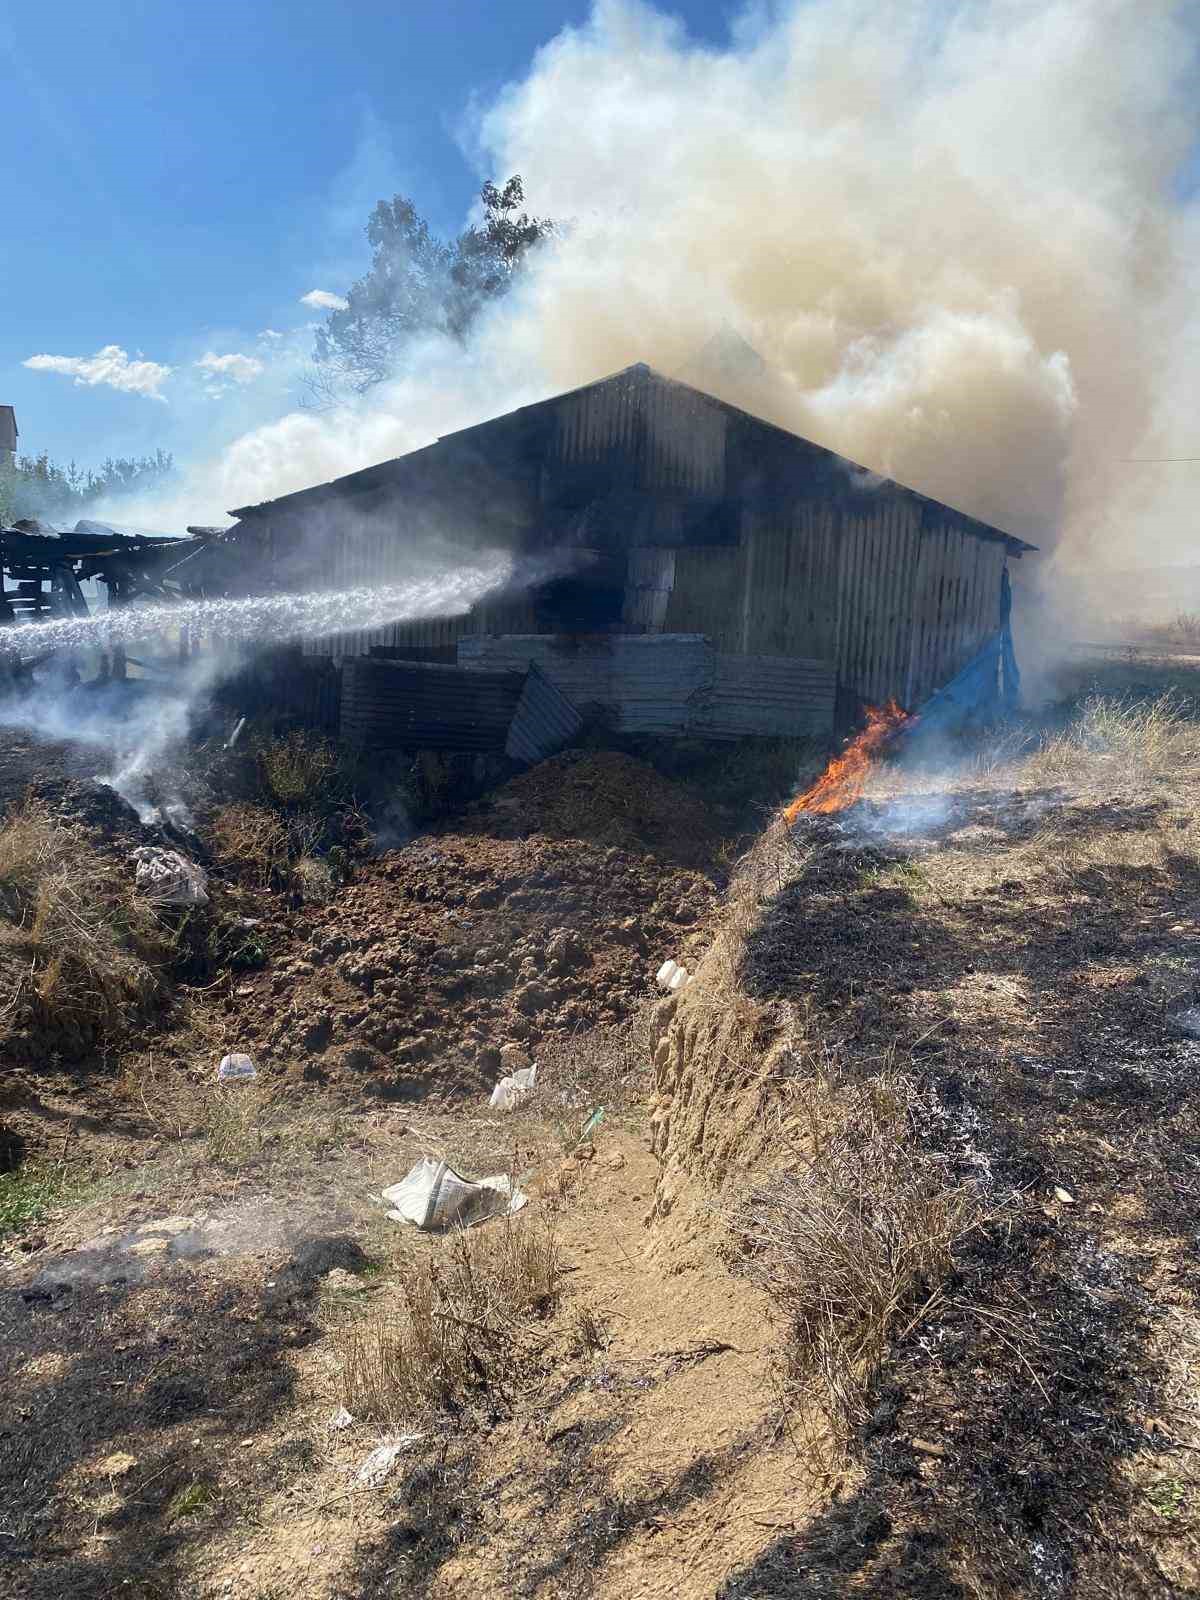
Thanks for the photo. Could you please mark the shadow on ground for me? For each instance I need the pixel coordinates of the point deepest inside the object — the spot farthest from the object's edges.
(125, 1407)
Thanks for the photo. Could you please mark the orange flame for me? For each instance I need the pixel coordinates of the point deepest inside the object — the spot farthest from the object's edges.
(845, 778)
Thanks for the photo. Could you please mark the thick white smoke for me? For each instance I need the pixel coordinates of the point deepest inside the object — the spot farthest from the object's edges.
(951, 230)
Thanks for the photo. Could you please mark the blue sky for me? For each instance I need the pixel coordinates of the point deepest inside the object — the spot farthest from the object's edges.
(177, 176)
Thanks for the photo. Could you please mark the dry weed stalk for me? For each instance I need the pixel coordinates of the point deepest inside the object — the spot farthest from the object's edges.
(855, 1240)
(462, 1317)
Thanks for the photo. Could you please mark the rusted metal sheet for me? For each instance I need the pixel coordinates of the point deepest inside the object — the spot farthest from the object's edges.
(766, 696)
(544, 721)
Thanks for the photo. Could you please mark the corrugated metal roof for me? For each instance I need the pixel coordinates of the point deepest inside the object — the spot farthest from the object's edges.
(544, 720)
(670, 434)
(767, 696)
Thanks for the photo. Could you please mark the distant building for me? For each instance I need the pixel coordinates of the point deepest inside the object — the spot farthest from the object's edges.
(8, 436)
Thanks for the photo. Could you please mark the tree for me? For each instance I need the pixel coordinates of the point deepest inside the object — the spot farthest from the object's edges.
(35, 486)
(419, 284)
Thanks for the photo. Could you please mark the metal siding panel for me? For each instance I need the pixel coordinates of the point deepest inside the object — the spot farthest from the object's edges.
(649, 580)
(766, 696)
(643, 681)
(393, 705)
(543, 722)
(708, 584)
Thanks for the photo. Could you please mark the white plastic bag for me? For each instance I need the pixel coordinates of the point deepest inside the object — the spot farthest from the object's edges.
(509, 1092)
(234, 1067)
(382, 1459)
(678, 978)
(169, 879)
(434, 1197)
(665, 973)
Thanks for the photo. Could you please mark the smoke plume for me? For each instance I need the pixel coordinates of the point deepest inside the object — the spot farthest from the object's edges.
(953, 232)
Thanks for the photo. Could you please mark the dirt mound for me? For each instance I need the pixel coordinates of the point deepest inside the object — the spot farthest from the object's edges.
(493, 931)
(605, 798)
(456, 945)
(93, 804)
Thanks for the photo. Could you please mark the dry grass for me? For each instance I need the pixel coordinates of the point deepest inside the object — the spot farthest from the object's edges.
(236, 1121)
(1116, 738)
(314, 879)
(1183, 630)
(297, 769)
(457, 1326)
(599, 1066)
(267, 846)
(252, 838)
(855, 1240)
(78, 947)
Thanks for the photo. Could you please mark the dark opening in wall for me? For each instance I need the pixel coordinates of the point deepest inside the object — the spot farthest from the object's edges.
(579, 605)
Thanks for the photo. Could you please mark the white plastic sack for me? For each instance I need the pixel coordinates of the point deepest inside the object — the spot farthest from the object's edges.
(678, 978)
(236, 1066)
(509, 1092)
(665, 973)
(434, 1197)
(169, 879)
(383, 1458)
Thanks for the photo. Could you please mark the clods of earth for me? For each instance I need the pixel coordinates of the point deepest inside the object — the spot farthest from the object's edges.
(507, 927)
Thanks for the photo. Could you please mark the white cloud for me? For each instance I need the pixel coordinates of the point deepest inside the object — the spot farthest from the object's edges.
(322, 300)
(110, 366)
(235, 367)
(270, 333)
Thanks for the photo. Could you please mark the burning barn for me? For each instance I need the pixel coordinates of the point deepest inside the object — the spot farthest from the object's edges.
(684, 567)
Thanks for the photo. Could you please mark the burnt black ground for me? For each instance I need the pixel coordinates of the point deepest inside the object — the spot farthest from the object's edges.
(1037, 1377)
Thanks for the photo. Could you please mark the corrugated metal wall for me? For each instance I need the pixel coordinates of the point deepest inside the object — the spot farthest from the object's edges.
(644, 681)
(709, 582)
(956, 604)
(790, 568)
(768, 697)
(649, 581)
(674, 684)
(878, 558)
(388, 705)
(896, 595)
(667, 437)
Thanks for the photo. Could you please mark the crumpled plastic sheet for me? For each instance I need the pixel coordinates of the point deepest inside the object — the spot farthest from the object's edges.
(433, 1197)
(509, 1092)
(169, 879)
